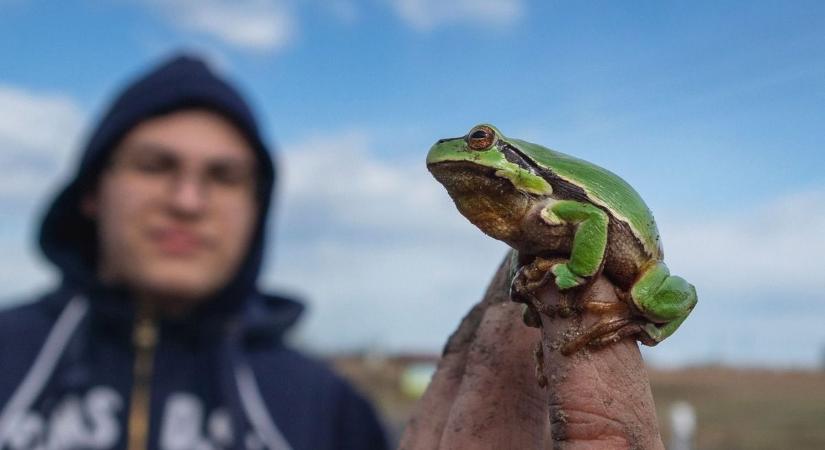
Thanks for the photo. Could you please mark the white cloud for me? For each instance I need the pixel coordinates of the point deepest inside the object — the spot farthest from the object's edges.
(339, 176)
(758, 273)
(776, 246)
(38, 134)
(428, 14)
(259, 25)
(45, 123)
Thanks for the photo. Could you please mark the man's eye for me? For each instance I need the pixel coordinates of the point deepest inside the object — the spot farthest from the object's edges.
(229, 176)
(153, 165)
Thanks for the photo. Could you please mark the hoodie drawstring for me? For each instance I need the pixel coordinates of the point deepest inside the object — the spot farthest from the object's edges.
(242, 397)
(41, 371)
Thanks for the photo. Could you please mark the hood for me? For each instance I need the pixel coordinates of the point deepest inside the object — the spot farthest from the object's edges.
(68, 238)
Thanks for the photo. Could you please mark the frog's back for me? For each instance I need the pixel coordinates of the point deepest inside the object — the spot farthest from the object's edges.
(603, 188)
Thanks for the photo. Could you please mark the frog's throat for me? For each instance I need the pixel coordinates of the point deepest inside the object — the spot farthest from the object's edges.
(492, 203)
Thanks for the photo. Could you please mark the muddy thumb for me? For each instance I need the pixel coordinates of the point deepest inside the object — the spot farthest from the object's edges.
(599, 399)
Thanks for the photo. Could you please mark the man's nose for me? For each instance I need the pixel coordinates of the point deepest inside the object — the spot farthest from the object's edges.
(188, 196)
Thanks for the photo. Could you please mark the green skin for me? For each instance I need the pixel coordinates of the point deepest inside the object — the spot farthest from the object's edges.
(547, 204)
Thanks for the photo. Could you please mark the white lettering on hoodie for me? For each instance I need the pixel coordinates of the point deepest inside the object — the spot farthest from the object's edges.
(91, 421)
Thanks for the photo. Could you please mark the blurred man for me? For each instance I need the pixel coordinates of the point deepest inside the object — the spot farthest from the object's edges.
(157, 336)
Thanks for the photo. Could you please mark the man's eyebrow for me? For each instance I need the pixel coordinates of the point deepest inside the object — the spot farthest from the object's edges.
(235, 161)
(159, 148)
(153, 147)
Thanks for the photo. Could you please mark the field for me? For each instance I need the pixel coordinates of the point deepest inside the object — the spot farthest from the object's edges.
(747, 409)
(735, 408)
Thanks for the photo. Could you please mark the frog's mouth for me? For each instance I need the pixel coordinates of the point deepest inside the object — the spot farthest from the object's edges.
(467, 178)
(510, 153)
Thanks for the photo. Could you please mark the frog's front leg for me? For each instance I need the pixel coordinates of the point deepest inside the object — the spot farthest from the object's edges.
(589, 240)
(525, 284)
(665, 300)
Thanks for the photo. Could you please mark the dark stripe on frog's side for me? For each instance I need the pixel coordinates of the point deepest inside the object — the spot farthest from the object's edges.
(625, 254)
(562, 188)
(516, 157)
(604, 187)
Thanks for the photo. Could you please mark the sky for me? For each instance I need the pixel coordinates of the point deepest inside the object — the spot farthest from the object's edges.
(712, 110)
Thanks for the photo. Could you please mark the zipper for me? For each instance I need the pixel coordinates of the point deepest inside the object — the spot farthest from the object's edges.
(144, 342)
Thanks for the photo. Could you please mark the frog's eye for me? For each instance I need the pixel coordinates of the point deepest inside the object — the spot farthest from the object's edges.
(481, 138)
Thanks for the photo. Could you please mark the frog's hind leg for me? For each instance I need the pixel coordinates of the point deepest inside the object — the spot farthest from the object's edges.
(665, 300)
(589, 240)
(615, 324)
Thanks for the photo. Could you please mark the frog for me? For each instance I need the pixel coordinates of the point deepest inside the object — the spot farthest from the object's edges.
(567, 221)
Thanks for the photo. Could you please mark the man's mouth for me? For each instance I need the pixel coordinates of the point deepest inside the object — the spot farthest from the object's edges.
(177, 242)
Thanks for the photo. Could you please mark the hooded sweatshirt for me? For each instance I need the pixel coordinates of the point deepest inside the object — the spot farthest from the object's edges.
(81, 369)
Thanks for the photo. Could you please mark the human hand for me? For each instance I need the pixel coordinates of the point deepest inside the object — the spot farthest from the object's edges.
(485, 393)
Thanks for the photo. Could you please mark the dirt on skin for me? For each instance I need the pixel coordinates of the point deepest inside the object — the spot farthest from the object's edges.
(599, 398)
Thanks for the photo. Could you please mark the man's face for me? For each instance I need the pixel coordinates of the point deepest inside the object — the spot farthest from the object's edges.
(176, 208)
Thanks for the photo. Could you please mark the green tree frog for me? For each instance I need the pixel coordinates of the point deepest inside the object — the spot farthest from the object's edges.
(546, 205)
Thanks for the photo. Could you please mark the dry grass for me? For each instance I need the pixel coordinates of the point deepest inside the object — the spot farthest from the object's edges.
(736, 408)
(747, 409)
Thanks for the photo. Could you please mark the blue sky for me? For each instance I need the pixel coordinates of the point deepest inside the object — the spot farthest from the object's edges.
(712, 110)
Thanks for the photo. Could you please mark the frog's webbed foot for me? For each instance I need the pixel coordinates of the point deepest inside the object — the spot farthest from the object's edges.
(526, 283)
(664, 299)
(565, 278)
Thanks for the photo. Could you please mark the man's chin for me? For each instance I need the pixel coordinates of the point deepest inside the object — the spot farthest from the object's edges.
(180, 286)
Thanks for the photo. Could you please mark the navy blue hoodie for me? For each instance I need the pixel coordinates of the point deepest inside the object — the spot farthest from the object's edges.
(221, 377)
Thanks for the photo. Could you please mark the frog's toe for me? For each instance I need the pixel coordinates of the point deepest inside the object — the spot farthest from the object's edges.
(530, 316)
(655, 333)
(665, 301)
(565, 278)
(631, 329)
(602, 332)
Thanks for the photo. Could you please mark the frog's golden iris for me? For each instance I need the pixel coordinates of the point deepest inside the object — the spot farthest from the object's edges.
(481, 138)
